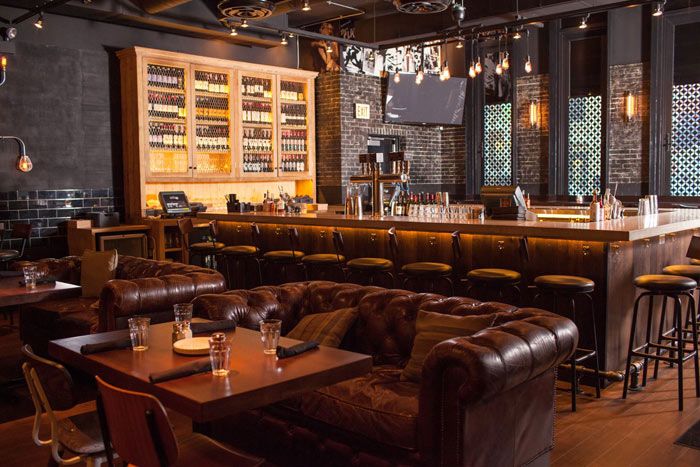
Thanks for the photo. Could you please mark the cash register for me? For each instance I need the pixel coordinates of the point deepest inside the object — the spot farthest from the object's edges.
(175, 204)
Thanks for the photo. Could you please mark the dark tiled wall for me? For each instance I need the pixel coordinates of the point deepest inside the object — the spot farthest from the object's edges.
(48, 211)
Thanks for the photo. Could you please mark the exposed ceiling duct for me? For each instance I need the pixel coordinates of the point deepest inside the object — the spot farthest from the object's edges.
(421, 7)
(246, 9)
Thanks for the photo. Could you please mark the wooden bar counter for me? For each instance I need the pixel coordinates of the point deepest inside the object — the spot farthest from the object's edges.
(612, 253)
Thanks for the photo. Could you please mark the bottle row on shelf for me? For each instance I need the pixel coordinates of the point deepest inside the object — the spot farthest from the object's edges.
(258, 163)
(164, 105)
(256, 112)
(293, 141)
(212, 137)
(166, 77)
(293, 114)
(256, 87)
(293, 163)
(211, 82)
(257, 140)
(212, 108)
(167, 136)
(291, 91)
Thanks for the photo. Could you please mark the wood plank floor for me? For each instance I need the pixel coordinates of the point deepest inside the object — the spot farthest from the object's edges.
(607, 432)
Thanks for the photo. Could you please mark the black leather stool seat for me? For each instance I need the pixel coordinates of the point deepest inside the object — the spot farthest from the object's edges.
(494, 275)
(6, 255)
(695, 262)
(239, 250)
(685, 270)
(323, 258)
(370, 264)
(280, 256)
(426, 269)
(665, 283)
(570, 284)
(206, 246)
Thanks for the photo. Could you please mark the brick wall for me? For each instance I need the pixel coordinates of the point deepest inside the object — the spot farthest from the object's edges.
(628, 141)
(436, 155)
(533, 143)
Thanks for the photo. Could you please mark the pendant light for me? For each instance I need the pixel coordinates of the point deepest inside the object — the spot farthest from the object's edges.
(506, 61)
(472, 70)
(3, 70)
(499, 66)
(528, 61)
(477, 66)
(460, 43)
(39, 23)
(329, 48)
(419, 73)
(445, 73)
(517, 34)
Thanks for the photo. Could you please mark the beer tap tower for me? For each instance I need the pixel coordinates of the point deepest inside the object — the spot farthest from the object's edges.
(371, 174)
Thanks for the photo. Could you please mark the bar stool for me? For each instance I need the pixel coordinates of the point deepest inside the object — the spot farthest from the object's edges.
(240, 254)
(320, 262)
(569, 288)
(207, 250)
(430, 273)
(371, 268)
(285, 258)
(496, 279)
(669, 287)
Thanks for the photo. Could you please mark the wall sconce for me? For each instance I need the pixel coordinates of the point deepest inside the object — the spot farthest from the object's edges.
(24, 163)
(631, 106)
(3, 70)
(534, 111)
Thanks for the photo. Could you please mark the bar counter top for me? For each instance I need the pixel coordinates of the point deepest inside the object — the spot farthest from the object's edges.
(626, 229)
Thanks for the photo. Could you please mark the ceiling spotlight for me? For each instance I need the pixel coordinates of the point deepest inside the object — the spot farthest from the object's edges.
(658, 9)
(528, 65)
(460, 43)
(329, 48)
(420, 76)
(283, 41)
(306, 6)
(517, 35)
(39, 23)
(8, 33)
(244, 23)
(290, 35)
(233, 31)
(584, 22)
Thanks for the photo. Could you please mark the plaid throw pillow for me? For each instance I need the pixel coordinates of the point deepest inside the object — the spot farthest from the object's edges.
(327, 329)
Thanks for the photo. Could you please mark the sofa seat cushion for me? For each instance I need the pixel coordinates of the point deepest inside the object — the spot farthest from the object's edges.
(66, 317)
(378, 406)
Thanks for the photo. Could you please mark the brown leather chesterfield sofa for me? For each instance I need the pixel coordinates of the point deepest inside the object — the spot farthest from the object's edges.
(484, 400)
(142, 287)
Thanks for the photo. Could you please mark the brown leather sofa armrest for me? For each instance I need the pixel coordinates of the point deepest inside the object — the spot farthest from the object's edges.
(467, 372)
(122, 298)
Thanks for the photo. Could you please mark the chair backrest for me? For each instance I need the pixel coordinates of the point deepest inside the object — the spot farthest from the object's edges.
(19, 231)
(185, 225)
(293, 234)
(393, 246)
(694, 248)
(213, 230)
(51, 388)
(137, 426)
(456, 249)
(255, 232)
(338, 244)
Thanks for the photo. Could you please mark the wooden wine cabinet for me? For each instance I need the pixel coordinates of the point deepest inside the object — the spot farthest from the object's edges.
(183, 128)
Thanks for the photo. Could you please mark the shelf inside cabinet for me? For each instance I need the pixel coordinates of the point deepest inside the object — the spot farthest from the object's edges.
(165, 90)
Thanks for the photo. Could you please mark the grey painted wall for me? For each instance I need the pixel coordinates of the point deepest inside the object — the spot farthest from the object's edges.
(62, 97)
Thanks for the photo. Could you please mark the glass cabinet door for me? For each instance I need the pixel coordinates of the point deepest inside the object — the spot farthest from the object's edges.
(294, 130)
(166, 120)
(258, 120)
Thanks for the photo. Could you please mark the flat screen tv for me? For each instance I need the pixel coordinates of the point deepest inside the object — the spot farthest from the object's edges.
(432, 102)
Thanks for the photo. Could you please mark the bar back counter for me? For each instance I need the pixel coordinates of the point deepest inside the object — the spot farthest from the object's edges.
(611, 253)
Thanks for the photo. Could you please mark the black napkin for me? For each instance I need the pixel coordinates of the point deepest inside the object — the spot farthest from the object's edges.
(4, 274)
(115, 344)
(198, 366)
(212, 326)
(284, 352)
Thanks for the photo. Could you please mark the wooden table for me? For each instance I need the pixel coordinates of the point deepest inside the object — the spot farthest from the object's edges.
(11, 293)
(255, 380)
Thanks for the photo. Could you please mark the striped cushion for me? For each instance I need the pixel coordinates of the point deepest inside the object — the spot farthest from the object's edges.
(325, 328)
(433, 328)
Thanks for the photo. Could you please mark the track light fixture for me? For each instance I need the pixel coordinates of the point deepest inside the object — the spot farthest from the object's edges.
(329, 48)
(658, 9)
(528, 61)
(517, 35)
(460, 43)
(39, 23)
(8, 33)
(24, 163)
(306, 6)
(284, 41)
(584, 22)
(244, 23)
(233, 31)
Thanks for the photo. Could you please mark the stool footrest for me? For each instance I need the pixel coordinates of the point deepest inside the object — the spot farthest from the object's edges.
(688, 355)
(685, 340)
(584, 354)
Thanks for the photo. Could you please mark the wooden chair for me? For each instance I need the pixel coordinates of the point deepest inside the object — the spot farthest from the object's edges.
(206, 250)
(51, 388)
(139, 430)
(18, 232)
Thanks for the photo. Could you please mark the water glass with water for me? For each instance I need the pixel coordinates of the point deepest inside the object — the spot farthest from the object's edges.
(138, 329)
(270, 335)
(30, 275)
(183, 312)
(219, 354)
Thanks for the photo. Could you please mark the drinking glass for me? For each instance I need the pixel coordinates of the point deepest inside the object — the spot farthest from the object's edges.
(270, 335)
(30, 276)
(138, 329)
(183, 312)
(219, 354)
